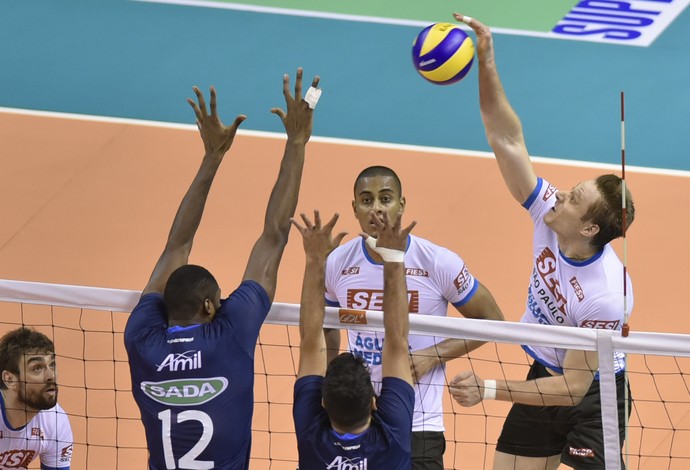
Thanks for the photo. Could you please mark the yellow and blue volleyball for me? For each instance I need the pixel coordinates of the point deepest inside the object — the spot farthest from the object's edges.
(443, 53)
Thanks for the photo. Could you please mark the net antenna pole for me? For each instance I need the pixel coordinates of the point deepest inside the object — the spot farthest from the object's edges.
(626, 314)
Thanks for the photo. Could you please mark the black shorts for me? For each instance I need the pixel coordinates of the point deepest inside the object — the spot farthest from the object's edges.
(427, 450)
(575, 432)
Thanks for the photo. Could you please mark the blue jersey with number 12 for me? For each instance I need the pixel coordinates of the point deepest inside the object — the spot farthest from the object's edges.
(194, 385)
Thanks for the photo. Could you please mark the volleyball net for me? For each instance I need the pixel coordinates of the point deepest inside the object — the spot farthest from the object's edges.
(87, 326)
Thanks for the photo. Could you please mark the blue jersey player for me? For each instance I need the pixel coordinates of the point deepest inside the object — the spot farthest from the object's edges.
(338, 421)
(191, 354)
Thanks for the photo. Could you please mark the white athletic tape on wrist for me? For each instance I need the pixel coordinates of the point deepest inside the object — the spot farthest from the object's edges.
(489, 390)
(389, 255)
(312, 96)
(467, 20)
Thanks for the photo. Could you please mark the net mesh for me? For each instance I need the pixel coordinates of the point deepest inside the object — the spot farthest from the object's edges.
(87, 327)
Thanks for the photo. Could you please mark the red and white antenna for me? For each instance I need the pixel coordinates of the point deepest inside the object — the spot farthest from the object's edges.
(626, 314)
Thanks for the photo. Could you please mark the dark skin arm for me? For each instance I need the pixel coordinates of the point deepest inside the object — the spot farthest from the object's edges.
(217, 139)
(264, 259)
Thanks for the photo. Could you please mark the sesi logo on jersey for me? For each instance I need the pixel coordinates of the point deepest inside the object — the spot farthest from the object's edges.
(551, 297)
(66, 454)
(372, 299)
(16, 458)
(600, 324)
(549, 192)
(462, 280)
(185, 392)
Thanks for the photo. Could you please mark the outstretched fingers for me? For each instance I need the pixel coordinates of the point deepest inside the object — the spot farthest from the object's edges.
(197, 111)
(473, 23)
(286, 86)
(202, 101)
(298, 84)
(239, 120)
(213, 101)
(280, 113)
(406, 231)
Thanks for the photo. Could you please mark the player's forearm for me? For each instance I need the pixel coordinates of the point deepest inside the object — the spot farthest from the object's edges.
(312, 302)
(191, 208)
(546, 391)
(449, 349)
(332, 342)
(504, 134)
(500, 120)
(283, 200)
(396, 321)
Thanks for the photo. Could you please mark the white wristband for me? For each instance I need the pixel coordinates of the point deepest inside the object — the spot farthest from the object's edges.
(489, 390)
(389, 255)
(312, 96)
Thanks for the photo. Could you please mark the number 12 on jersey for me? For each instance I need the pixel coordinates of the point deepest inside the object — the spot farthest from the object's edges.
(188, 460)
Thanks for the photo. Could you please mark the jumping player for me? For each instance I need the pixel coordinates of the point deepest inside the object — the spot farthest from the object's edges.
(191, 354)
(576, 281)
(338, 421)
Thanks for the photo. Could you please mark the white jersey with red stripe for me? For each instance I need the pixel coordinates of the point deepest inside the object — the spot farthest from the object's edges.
(435, 276)
(566, 292)
(47, 436)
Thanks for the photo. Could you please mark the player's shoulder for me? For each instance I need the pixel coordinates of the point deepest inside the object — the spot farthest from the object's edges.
(431, 254)
(347, 250)
(54, 417)
(605, 272)
(350, 245)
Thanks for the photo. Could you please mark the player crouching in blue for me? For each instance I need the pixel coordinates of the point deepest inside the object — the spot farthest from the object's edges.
(338, 421)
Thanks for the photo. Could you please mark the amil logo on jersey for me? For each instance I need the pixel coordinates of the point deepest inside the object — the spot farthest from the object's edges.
(185, 392)
(343, 463)
(188, 360)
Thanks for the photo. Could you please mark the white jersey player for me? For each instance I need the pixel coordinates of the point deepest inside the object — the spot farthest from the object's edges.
(33, 424)
(576, 281)
(435, 277)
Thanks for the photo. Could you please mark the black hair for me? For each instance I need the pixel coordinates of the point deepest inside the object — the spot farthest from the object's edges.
(378, 170)
(347, 391)
(187, 288)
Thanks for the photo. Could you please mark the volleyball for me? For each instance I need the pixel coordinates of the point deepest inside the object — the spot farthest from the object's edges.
(443, 53)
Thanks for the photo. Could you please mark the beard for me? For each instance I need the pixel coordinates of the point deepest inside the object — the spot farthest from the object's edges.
(38, 400)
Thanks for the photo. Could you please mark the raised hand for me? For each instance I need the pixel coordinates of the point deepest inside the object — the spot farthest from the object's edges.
(298, 120)
(390, 236)
(318, 241)
(485, 44)
(217, 137)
